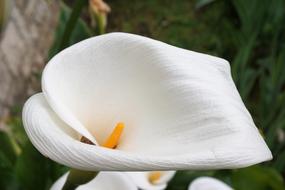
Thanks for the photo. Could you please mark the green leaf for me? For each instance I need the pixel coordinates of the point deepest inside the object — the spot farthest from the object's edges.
(78, 33)
(7, 147)
(6, 172)
(32, 169)
(279, 164)
(17, 131)
(257, 178)
(77, 177)
(202, 3)
(71, 22)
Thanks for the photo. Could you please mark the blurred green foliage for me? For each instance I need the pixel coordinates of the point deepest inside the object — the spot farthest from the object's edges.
(79, 32)
(251, 178)
(250, 34)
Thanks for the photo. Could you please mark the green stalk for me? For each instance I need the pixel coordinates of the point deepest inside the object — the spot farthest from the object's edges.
(76, 178)
(101, 20)
(2, 12)
(8, 143)
(76, 10)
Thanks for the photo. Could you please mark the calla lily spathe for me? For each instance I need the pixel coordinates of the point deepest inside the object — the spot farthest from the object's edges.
(121, 181)
(208, 183)
(180, 108)
(103, 181)
(143, 179)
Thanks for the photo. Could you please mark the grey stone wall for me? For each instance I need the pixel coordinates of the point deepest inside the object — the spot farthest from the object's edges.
(24, 45)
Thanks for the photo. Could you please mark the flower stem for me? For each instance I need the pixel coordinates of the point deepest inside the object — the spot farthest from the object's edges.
(76, 11)
(101, 23)
(76, 178)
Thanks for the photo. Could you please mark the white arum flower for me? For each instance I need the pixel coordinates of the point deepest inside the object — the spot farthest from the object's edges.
(103, 181)
(179, 109)
(208, 183)
(155, 180)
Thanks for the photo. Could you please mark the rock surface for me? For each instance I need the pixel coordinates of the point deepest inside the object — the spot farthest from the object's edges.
(24, 46)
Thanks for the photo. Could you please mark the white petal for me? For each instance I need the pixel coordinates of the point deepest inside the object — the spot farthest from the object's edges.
(181, 108)
(166, 177)
(141, 179)
(103, 181)
(208, 183)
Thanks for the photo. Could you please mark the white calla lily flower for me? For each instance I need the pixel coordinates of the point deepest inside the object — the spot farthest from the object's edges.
(180, 109)
(155, 180)
(103, 181)
(208, 183)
